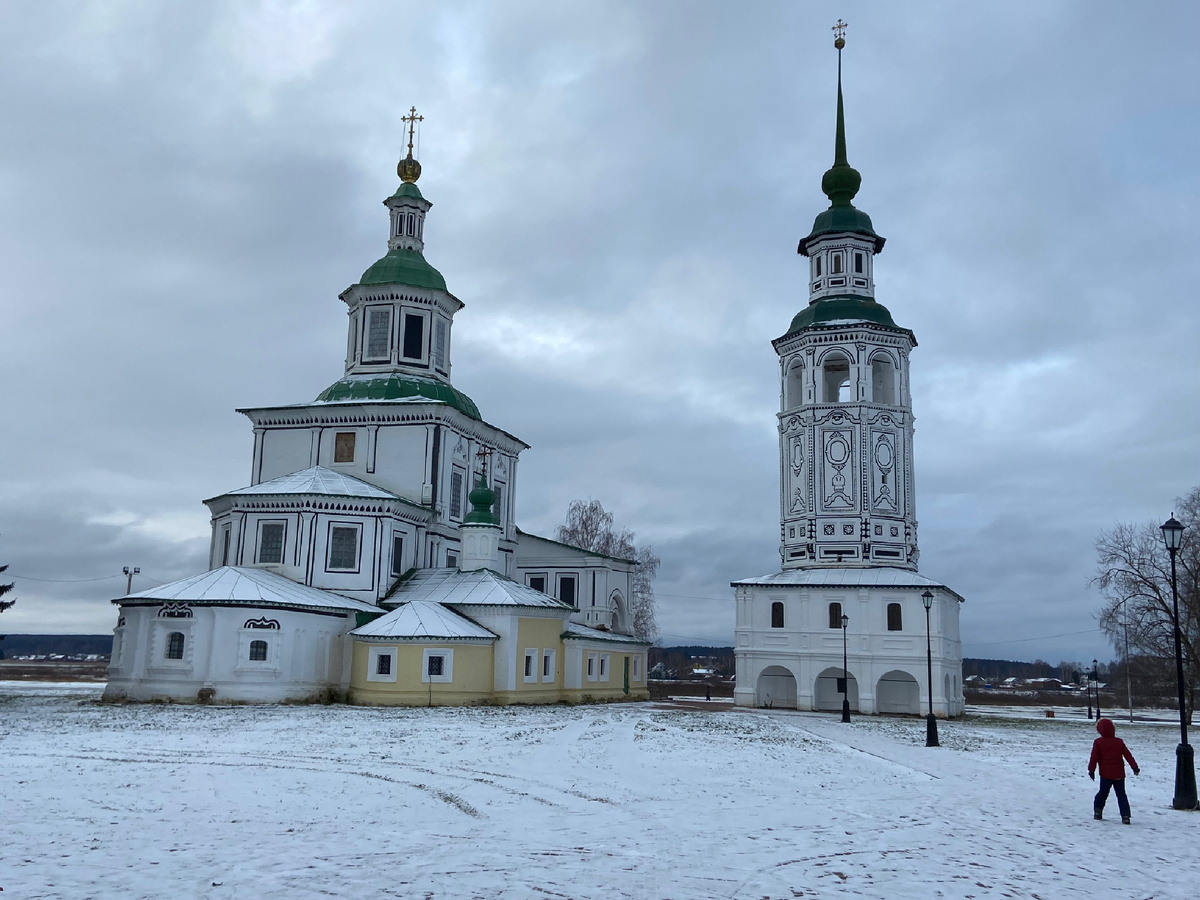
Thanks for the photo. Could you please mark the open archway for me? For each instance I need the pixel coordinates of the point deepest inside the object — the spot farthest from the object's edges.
(776, 688)
(898, 692)
(826, 695)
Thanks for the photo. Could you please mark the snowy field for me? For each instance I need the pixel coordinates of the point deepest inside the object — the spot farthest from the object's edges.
(639, 801)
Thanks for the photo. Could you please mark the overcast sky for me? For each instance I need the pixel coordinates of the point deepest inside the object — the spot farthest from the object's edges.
(618, 191)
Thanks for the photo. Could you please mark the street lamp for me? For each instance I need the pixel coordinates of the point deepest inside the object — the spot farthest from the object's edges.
(1185, 763)
(845, 673)
(931, 736)
(1096, 678)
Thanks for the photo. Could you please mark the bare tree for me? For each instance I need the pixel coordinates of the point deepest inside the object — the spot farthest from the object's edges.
(590, 526)
(1133, 573)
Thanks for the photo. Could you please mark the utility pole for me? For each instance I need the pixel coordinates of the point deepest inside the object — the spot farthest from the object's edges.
(129, 573)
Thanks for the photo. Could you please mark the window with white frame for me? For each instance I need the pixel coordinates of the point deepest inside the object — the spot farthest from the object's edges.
(270, 542)
(381, 664)
(225, 534)
(456, 490)
(175, 643)
(451, 559)
(566, 589)
(258, 651)
(379, 334)
(437, 666)
(537, 582)
(343, 447)
(439, 344)
(637, 668)
(604, 667)
(531, 661)
(397, 554)
(591, 667)
(548, 660)
(414, 336)
(343, 548)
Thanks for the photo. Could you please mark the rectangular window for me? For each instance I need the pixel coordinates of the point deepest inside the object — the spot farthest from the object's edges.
(604, 667)
(547, 665)
(414, 336)
(895, 621)
(836, 264)
(270, 542)
(566, 589)
(397, 554)
(439, 344)
(858, 263)
(434, 665)
(438, 667)
(379, 333)
(225, 545)
(383, 664)
(531, 665)
(637, 668)
(343, 548)
(451, 560)
(456, 486)
(343, 447)
(835, 615)
(412, 224)
(258, 651)
(498, 490)
(818, 262)
(591, 667)
(538, 582)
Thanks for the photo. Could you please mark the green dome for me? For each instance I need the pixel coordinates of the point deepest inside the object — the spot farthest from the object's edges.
(397, 386)
(408, 189)
(841, 219)
(404, 267)
(842, 308)
(482, 499)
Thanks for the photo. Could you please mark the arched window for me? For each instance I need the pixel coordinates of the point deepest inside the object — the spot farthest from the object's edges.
(175, 645)
(793, 386)
(258, 651)
(883, 380)
(835, 378)
(777, 614)
(836, 267)
(835, 615)
(895, 621)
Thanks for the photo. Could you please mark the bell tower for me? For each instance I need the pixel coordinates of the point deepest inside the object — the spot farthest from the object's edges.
(845, 420)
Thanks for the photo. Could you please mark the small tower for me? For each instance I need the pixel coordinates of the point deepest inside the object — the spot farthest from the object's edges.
(845, 420)
(481, 530)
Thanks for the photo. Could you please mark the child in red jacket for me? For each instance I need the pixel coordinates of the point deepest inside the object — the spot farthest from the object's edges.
(1108, 751)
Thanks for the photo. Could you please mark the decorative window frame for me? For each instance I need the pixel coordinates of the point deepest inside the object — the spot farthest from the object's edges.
(390, 310)
(160, 631)
(558, 583)
(531, 669)
(358, 554)
(353, 448)
(605, 667)
(447, 655)
(456, 507)
(549, 661)
(373, 654)
(545, 576)
(426, 339)
(397, 565)
(274, 638)
(258, 537)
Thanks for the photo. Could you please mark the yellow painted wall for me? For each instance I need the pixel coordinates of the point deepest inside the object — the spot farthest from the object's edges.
(614, 688)
(472, 671)
(539, 635)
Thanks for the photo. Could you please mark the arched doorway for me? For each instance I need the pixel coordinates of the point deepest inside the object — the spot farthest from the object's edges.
(898, 692)
(777, 688)
(826, 695)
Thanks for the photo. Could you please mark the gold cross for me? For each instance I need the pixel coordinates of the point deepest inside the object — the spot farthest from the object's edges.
(839, 34)
(412, 119)
(485, 456)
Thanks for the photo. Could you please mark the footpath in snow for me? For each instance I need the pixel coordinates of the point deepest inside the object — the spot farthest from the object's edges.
(626, 801)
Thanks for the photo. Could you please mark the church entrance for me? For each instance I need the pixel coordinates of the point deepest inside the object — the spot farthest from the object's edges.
(777, 688)
(898, 692)
(827, 697)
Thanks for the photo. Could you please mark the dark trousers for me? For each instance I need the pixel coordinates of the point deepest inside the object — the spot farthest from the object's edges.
(1118, 784)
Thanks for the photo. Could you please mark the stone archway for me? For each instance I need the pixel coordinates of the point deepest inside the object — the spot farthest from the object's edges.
(776, 688)
(826, 695)
(898, 692)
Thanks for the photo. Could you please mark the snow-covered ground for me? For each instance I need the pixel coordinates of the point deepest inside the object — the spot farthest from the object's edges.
(638, 800)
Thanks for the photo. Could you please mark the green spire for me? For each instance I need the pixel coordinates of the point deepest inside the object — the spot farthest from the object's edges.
(840, 183)
(482, 499)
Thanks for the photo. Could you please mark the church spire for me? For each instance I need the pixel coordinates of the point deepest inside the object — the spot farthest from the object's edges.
(409, 169)
(841, 182)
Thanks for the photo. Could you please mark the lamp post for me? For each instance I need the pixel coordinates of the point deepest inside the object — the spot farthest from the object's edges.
(931, 735)
(129, 573)
(1096, 678)
(1185, 763)
(845, 673)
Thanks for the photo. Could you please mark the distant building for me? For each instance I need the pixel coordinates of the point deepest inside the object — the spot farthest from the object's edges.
(375, 552)
(848, 527)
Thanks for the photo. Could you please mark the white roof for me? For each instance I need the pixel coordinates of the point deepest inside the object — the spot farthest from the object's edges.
(581, 632)
(251, 587)
(423, 620)
(482, 587)
(317, 480)
(878, 576)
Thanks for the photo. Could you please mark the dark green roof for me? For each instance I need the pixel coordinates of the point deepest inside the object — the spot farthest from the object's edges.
(398, 386)
(841, 219)
(408, 189)
(404, 267)
(841, 308)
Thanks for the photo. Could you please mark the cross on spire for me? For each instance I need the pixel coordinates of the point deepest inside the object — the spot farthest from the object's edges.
(839, 34)
(412, 119)
(485, 455)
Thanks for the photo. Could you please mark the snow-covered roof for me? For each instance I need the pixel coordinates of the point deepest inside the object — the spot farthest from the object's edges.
(316, 480)
(422, 620)
(878, 576)
(245, 586)
(575, 631)
(482, 587)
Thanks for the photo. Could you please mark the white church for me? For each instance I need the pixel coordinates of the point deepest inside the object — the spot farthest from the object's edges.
(848, 593)
(374, 555)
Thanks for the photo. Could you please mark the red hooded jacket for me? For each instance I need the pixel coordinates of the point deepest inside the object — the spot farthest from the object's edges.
(1108, 750)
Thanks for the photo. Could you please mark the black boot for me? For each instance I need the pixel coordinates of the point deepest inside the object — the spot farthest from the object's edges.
(1097, 814)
